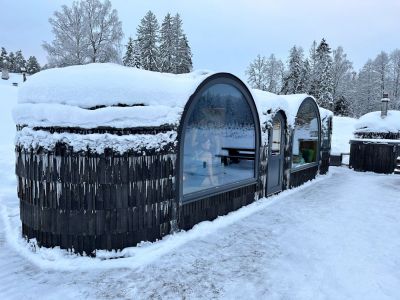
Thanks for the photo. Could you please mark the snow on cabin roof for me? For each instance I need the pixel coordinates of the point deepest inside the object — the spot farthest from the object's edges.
(268, 104)
(325, 113)
(109, 84)
(372, 122)
(62, 96)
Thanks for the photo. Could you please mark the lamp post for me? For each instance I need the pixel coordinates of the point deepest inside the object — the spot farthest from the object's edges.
(23, 71)
(385, 105)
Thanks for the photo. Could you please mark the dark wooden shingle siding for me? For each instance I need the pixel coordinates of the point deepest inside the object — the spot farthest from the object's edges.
(375, 157)
(89, 201)
(324, 166)
(299, 177)
(209, 208)
(86, 201)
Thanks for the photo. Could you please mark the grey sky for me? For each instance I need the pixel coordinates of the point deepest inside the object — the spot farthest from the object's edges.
(225, 35)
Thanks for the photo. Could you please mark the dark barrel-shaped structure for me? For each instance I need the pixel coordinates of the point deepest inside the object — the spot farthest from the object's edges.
(109, 156)
(376, 143)
(85, 200)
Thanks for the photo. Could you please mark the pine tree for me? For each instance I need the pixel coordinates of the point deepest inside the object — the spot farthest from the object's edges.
(306, 74)
(322, 84)
(20, 61)
(293, 82)
(177, 36)
(136, 55)
(168, 47)
(147, 36)
(182, 53)
(256, 73)
(11, 62)
(127, 60)
(184, 56)
(342, 107)
(312, 59)
(32, 65)
(3, 57)
(132, 54)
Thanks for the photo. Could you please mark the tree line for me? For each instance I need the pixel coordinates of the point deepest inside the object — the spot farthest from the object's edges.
(90, 31)
(15, 62)
(163, 49)
(329, 76)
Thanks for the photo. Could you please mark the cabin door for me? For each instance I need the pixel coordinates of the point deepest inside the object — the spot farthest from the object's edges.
(276, 155)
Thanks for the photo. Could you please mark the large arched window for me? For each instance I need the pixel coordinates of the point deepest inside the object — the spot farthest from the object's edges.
(306, 135)
(219, 141)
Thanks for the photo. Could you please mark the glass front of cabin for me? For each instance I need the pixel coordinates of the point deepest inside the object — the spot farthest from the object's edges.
(219, 140)
(306, 136)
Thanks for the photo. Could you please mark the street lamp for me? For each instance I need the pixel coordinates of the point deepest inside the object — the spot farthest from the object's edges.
(23, 71)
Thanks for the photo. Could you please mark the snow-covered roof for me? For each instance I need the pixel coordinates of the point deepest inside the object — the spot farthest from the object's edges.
(268, 104)
(325, 113)
(109, 84)
(65, 97)
(62, 96)
(372, 122)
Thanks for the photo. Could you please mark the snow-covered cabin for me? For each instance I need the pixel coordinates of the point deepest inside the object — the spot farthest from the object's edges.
(108, 156)
(376, 143)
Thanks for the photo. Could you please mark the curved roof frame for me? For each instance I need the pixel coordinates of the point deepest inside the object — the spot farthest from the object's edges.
(316, 110)
(218, 78)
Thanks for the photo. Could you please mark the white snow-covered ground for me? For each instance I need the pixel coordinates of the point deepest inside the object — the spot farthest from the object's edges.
(342, 133)
(337, 237)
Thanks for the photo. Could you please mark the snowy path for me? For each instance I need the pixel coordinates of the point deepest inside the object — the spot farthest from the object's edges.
(337, 238)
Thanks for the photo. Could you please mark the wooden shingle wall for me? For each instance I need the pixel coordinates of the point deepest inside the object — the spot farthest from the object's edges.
(89, 201)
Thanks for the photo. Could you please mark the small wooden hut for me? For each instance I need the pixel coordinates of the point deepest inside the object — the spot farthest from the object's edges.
(376, 143)
(109, 156)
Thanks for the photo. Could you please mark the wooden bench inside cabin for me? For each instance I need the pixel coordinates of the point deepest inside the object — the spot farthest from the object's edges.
(236, 154)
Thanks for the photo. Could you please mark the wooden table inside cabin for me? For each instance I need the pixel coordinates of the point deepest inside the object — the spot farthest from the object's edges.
(236, 154)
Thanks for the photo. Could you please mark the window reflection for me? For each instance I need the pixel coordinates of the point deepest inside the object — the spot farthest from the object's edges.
(305, 138)
(326, 137)
(276, 137)
(219, 145)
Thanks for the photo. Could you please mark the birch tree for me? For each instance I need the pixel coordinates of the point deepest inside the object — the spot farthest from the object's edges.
(368, 90)
(104, 30)
(395, 77)
(381, 68)
(87, 31)
(256, 73)
(274, 74)
(341, 70)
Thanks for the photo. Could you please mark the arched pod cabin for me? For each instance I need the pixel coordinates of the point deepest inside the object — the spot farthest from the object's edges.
(306, 138)
(108, 156)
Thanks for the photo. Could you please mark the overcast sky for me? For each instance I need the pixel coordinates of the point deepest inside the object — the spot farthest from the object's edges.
(225, 35)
